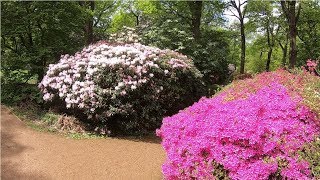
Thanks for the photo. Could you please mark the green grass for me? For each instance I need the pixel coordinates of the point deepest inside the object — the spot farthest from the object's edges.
(84, 136)
(44, 121)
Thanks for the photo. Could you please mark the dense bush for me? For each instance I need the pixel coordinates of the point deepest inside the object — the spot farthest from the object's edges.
(210, 52)
(17, 93)
(126, 87)
(253, 129)
(311, 153)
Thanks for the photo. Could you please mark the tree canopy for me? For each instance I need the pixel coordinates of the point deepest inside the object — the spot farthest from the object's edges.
(264, 36)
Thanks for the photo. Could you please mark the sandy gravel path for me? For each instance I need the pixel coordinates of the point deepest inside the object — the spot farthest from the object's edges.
(28, 154)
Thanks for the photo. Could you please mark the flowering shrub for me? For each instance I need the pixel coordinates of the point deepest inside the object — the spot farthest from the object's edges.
(128, 87)
(311, 152)
(311, 66)
(253, 129)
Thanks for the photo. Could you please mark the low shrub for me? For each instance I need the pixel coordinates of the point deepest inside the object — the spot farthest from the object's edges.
(128, 87)
(70, 125)
(17, 93)
(311, 153)
(253, 129)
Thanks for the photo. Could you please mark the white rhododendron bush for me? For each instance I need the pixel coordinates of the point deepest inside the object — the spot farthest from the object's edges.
(128, 87)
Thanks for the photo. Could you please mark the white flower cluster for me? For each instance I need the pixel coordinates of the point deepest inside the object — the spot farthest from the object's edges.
(80, 79)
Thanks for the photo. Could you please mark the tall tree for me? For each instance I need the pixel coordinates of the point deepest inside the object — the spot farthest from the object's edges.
(240, 15)
(283, 40)
(261, 15)
(102, 18)
(308, 29)
(88, 27)
(291, 10)
(196, 12)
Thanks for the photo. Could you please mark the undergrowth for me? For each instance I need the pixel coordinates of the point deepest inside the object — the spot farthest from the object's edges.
(45, 121)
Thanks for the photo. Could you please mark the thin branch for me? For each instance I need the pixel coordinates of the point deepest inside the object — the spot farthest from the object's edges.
(282, 47)
(233, 14)
(243, 3)
(102, 12)
(301, 38)
(234, 5)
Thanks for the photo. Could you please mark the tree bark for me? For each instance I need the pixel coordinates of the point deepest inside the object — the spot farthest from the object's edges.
(90, 25)
(137, 18)
(243, 47)
(270, 40)
(284, 53)
(196, 11)
(240, 16)
(269, 59)
(88, 28)
(293, 34)
(289, 9)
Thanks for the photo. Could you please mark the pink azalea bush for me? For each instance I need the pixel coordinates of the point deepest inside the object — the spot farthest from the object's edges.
(253, 129)
(130, 86)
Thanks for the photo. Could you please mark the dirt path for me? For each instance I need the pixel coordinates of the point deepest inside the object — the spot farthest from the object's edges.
(28, 154)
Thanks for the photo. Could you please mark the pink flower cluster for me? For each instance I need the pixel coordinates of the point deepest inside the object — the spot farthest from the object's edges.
(312, 67)
(312, 64)
(253, 136)
(76, 79)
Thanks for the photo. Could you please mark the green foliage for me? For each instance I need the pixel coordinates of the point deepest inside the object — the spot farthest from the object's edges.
(45, 121)
(102, 18)
(14, 94)
(311, 95)
(50, 118)
(210, 53)
(308, 31)
(84, 136)
(34, 34)
(257, 56)
(121, 19)
(167, 24)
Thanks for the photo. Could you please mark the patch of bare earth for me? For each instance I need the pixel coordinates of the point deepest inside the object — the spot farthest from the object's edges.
(29, 154)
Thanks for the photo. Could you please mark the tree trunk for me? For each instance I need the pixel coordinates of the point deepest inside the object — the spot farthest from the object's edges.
(137, 21)
(243, 46)
(292, 19)
(293, 34)
(240, 16)
(196, 11)
(284, 49)
(90, 25)
(269, 59)
(88, 28)
(270, 39)
(284, 56)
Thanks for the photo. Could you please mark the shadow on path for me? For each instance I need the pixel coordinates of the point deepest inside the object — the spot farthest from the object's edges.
(10, 148)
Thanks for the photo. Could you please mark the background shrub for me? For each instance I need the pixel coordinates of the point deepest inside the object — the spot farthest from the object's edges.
(253, 129)
(17, 93)
(128, 87)
(210, 53)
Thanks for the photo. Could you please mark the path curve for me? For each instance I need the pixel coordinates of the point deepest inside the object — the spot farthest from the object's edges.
(29, 154)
